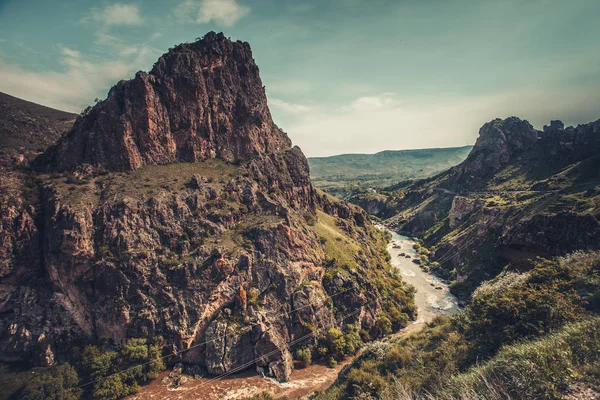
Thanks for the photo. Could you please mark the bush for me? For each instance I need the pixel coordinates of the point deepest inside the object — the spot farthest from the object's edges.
(352, 339)
(534, 370)
(334, 342)
(118, 374)
(331, 362)
(383, 326)
(366, 380)
(518, 306)
(59, 382)
(304, 355)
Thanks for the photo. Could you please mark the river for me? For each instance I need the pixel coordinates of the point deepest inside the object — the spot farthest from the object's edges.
(432, 298)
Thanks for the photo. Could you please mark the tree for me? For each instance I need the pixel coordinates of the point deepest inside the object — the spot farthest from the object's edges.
(304, 355)
(383, 326)
(58, 382)
(335, 342)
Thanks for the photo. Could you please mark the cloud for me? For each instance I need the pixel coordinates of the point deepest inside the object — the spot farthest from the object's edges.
(222, 12)
(117, 14)
(384, 122)
(373, 103)
(82, 80)
(288, 107)
(70, 53)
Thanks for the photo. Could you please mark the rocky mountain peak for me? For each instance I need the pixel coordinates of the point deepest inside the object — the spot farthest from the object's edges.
(505, 137)
(201, 100)
(499, 140)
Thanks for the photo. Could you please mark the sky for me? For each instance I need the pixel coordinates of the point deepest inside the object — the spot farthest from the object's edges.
(342, 76)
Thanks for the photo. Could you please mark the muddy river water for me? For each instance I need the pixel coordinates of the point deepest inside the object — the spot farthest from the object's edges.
(432, 298)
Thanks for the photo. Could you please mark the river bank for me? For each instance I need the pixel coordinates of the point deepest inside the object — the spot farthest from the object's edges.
(433, 296)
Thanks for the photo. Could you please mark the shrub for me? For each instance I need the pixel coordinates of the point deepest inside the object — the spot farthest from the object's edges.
(331, 362)
(118, 374)
(383, 326)
(58, 382)
(304, 355)
(366, 380)
(516, 307)
(352, 339)
(335, 342)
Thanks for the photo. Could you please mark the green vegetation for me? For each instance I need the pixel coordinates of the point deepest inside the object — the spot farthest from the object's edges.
(368, 267)
(346, 173)
(133, 186)
(304, 355)
(523, 336)
(118, 374)
(59, 382)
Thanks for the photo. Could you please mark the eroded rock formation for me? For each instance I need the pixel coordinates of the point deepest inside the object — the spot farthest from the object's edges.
(166, 205)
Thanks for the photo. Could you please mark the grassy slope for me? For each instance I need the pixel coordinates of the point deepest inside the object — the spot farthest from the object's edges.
(540, 347)
(382, 169)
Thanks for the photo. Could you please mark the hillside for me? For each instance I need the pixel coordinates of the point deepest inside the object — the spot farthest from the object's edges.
(176, 219)
(342, 174)
(515, 230)
(521, 193)
(27, 128)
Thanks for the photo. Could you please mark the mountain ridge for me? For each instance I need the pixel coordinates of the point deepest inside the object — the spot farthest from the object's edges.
(210, 231)
(520, 193)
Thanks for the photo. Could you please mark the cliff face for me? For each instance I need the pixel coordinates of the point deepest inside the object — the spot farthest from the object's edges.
(498, 143)
(176, 208)
(201, 100)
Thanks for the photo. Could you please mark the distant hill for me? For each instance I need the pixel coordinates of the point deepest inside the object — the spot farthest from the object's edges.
(339, 173)
(27, 127)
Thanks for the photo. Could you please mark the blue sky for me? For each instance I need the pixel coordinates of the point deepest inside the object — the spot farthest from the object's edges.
(341, 75)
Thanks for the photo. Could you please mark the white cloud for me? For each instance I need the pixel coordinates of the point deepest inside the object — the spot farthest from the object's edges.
(76, 87)
(288, 107)
(374, 103)
(70, 52)
(222, 12)
(117, 14)
(370, 124)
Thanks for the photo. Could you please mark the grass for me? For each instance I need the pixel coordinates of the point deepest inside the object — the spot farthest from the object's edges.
(346, 172)
(337, 244)
(140, 184)
(538, 369)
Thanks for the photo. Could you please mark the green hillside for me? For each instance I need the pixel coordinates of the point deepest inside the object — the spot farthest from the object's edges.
(340, 174)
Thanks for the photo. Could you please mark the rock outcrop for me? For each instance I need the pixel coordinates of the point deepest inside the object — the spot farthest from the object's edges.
(498, 142)
(201, 100)
(177, 208)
